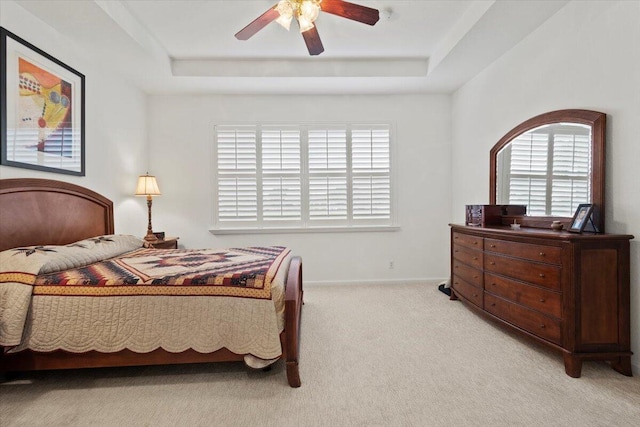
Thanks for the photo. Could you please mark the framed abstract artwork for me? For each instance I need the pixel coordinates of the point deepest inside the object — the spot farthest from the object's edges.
(42, 102)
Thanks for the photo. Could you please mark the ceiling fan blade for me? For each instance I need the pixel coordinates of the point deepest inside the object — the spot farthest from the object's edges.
(352, 11)
(257, 24)
(312, 39)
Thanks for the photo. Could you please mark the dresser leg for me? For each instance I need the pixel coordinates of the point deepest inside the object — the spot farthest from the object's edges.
(453, 296)
(572, 365)
(623, 365)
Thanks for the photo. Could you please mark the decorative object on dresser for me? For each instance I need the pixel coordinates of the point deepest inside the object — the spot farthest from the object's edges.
(166, 243)
(582, 218)
(557, 225)
(566, 290)
(148, 186)
(481, 215)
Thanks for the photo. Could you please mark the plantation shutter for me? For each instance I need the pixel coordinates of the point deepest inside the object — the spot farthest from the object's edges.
(281, 171)
(529, 157)
(571, 171)
(550, 169)
(371, 179)
(237, 173)
(296, 176)
(328, 197)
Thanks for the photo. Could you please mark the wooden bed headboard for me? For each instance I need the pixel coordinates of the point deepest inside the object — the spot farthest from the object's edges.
(47, 212)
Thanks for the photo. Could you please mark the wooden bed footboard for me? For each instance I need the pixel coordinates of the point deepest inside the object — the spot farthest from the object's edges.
(293, 310)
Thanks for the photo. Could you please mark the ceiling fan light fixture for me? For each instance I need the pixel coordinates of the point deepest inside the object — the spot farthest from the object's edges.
(310, 9)
(305, 24)
(285, 21)
(306, 12)
(286, 11)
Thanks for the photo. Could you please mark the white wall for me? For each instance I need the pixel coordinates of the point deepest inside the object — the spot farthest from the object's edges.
(181, 134)
(115, 124)
(586, 56)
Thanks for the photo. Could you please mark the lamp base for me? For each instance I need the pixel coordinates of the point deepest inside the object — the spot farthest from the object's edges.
(150, 237)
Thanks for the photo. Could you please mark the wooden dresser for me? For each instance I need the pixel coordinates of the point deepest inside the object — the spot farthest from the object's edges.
(569, 291)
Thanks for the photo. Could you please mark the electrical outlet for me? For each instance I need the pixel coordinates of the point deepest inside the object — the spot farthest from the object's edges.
(390, 265)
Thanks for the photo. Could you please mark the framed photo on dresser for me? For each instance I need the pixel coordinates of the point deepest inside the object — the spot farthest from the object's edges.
(42, 104)
(581, 218)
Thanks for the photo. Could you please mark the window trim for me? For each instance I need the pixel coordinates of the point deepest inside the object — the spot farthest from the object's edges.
(305, 224)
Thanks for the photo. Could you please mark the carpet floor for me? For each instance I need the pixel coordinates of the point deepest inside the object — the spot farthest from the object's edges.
(380, 355)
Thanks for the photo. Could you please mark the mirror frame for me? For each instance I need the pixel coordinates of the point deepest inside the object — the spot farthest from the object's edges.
(597, 121)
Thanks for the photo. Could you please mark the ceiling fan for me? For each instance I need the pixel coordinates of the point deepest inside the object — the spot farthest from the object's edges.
(306, 12)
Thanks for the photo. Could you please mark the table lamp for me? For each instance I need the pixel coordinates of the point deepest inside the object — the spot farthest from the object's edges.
(148, 186)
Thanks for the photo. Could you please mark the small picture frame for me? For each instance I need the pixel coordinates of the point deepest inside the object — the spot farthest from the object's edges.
(581, 217)
(159, 235)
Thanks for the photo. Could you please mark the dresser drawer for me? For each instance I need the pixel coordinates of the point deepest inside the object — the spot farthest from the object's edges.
(467, 273)
(539, 253)
(539, 299)
(468, 256)
(467, 240)
(469, 292)
(546, 275)
(529, 320)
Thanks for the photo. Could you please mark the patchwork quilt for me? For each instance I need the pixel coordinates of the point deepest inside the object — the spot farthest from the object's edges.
(240, 272)
(36, 311)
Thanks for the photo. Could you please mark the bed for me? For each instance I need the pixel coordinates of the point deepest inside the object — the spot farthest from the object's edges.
(41, 217)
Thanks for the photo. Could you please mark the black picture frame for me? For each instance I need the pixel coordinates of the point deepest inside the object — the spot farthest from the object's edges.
(581, 217)
(42, 109)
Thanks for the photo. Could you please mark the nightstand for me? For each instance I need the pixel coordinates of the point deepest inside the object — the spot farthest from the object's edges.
(167, 243)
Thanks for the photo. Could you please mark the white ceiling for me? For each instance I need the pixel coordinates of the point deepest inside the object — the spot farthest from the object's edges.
(188, 46)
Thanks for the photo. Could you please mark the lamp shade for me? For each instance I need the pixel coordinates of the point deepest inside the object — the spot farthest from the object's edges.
(147, 186)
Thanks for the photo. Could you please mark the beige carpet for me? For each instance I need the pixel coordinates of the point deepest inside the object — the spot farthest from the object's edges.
(371, 356)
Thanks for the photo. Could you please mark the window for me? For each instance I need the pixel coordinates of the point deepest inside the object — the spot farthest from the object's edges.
(549, 169)
(302, 176)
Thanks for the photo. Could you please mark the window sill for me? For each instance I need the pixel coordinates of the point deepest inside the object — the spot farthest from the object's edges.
(286, 230)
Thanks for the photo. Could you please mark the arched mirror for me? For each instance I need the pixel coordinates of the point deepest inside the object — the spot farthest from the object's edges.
(552, 163)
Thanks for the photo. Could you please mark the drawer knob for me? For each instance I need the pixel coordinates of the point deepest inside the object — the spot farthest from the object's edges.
(475, 257)
(493, 304)
(542, 253)
(456, 251)
(541, 274)
(455, 238)
(475, 277)
(492, 263)
(493, 246)
(475, 295)
(493, 284)
(542, 326)
(542, 300)
(475, 243)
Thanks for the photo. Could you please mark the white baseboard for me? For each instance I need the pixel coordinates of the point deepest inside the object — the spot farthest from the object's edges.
(425, 281)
